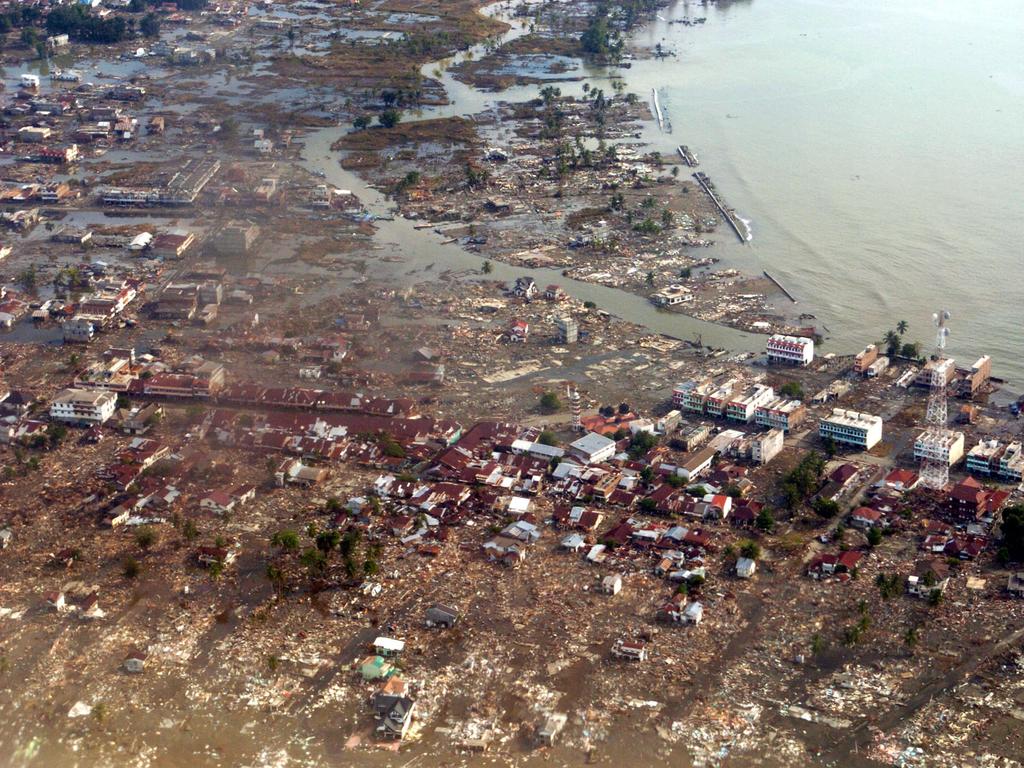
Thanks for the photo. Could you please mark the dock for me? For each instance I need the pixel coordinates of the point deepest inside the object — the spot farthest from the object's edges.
(780, 286)
(741, 229)
(657, 109)
(688, 157)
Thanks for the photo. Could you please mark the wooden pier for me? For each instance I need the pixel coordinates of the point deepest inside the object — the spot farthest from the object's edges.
(780, 286)
(741, 230)
(688, 157)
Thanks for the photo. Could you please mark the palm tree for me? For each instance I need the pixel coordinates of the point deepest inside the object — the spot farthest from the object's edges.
(892, 342)
(901, 327)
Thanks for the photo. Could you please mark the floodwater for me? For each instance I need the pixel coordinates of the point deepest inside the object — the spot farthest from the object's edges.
(876, 145)
(420, 248)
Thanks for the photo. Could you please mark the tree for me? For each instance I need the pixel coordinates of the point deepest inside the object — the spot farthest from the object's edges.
(487, 267)
(792, 389)
(314, 561)
(547, 438)
(361, 122)
(549, 403)
(901, 327)
(190, 531)
(286, 539)
(911, 350)
(389, 118)
(641, 443)
(145, 537)
(130, 568)
(1013, 532)
(150, 25)
(750, 549)
(874, 537)
(327, 541)
(892, 343)
(648, 505)
(765, 520)
(888, 585)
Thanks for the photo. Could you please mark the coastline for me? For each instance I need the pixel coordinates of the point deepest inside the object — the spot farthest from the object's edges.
(726, 297)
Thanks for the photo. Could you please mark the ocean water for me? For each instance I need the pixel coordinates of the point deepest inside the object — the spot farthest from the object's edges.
(878, 149)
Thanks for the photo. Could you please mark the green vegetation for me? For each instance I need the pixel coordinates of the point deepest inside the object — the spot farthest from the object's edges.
(750, 549)
(547, 438)
(1013, 534)
(641, 443)
(792, 389)
(765, 520)
(549, 403)
(888, 585)
(286, 539)
(78, 22)
(389, 118)
(874, 537)
(145, 537)
(803, 480)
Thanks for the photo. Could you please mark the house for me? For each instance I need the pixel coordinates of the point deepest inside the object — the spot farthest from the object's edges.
(55, 600)
(525, 288)
(394, 714)
(441, 616)
(553, 725)
(630, 650)
(89, 608)
(865, 517)
(376, 668)
(1015, 584)
(694, 613)
(745, 567)
(388, 646)
(929, 577)
(828, 564)
(611, 585)
(574, 542)
(697, 465)
(135, 662)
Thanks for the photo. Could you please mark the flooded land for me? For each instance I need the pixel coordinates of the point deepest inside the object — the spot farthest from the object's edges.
(380, 386)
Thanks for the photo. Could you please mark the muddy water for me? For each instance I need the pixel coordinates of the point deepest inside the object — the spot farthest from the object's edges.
(421, 248)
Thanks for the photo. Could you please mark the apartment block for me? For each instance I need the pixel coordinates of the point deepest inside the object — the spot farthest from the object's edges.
(947, 447)
(82, 406)
(864, 359)
(781, 414)
(790, 350)
(861, 430)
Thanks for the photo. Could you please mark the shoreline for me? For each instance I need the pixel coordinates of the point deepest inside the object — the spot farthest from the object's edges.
(464, 99)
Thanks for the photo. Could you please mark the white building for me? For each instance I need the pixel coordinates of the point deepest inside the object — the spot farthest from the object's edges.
(991, 457)
(83, 406)
(593, 448)
(742, 407)
(946, 447)
(790, 350)
(861, 430)
(766, 446)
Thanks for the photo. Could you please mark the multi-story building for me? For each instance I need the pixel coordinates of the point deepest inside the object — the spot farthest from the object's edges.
(82, 406)
(864, 359)
(977, 376)
(991, 457)
(78, 330)
(716, 400)
(790, 350)
(947, 447)
(742, 406)
(861, 430)
(944, 368)
(766, 446)
(780, 414)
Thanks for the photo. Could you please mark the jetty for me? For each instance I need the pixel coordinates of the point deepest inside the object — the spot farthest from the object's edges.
(657, 109)
(688, 157)
(737, 224)
(780, 286)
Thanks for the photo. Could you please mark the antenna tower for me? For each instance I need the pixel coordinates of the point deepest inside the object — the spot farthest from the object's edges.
(934, 467)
